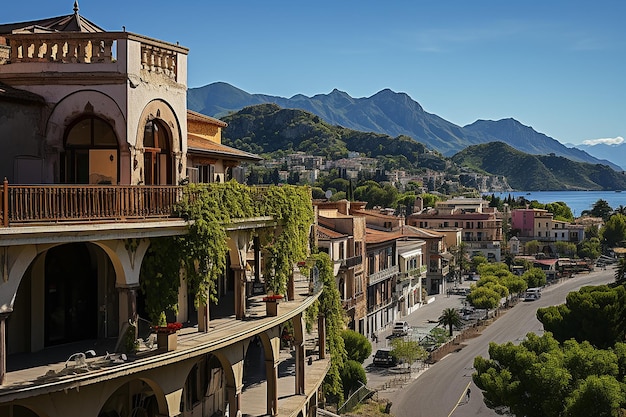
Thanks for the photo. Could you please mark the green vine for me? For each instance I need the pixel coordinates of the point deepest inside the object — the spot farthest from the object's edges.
(201, 254)
(329, 304)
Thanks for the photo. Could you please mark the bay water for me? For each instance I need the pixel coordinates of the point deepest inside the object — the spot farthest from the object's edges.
(577, 201)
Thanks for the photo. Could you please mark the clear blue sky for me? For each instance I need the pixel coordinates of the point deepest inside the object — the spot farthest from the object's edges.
(557, 66)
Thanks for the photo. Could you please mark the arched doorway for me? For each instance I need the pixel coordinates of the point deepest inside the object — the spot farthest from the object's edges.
(254, 363)
(71, 295)
(157, 156)
(204, 392)
(91, 152)
(133, 399)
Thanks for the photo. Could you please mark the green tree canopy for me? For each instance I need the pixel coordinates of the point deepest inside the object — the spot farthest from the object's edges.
(614, 230)
(358, 348)
(535, 277)
(541, 378)
(589, 248)
(601, 209)
(620, 271)
(352, 376)
(593, 313)
(408, 351)
(484, 297)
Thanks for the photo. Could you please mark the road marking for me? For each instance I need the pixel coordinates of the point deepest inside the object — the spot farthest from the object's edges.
(460, 399)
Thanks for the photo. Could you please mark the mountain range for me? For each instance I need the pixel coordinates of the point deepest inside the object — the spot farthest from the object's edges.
(393, 114)
(271, 130)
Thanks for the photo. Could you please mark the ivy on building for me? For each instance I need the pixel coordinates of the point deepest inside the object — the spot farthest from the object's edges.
(198, 258)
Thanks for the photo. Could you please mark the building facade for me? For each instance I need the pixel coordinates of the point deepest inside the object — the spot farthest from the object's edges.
(96, 144)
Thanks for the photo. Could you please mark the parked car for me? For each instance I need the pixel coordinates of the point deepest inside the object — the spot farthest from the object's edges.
(383, 357)
(401, 328)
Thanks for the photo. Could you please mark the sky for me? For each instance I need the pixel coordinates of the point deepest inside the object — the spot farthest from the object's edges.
(557, 66)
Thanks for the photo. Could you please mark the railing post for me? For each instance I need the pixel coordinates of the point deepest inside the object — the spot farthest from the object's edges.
(5, 202)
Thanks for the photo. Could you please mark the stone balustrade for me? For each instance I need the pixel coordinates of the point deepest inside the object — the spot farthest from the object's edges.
(158, 60)
(54, 47)
(89, 48)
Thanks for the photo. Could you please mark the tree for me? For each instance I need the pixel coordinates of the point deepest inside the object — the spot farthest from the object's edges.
(601, 209)
(450, 318)
(477, 261)
(614, 230)
(532, 247)
(620, 271)
(484, 297)
(565, 248)
(594, 314)
(539, 378)
(589, 248)
(535, 277)
(358, 348)
(352, 376)
(408, 351)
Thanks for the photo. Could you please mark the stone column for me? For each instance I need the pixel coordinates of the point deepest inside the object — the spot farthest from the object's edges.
(234, 400)
(291, 287)
(203, 318)
(240, 293)
(3, 347)
(321, 335)
(298, 343)
(127, 304)
(271, 371)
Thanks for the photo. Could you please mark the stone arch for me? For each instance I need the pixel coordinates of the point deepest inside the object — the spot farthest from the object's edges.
(114, 401)
(73, 106)
(163, 112)
(30, 324)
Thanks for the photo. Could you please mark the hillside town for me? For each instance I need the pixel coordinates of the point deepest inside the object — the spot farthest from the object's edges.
(108, 177)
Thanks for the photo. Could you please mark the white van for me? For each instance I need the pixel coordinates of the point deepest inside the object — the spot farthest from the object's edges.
(532, 294)
(401, 328)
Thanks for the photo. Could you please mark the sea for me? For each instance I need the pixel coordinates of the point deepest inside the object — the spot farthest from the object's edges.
(577, 201)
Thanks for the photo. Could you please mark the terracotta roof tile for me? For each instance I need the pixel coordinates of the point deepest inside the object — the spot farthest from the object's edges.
(202, 145)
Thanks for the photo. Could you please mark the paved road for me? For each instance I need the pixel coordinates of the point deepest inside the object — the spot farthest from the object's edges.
(439, 391)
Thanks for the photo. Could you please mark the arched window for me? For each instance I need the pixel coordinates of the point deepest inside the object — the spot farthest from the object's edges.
(91, 153)
(157, 156)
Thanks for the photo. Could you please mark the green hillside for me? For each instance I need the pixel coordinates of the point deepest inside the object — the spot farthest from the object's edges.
(267, 129)
(539, 172)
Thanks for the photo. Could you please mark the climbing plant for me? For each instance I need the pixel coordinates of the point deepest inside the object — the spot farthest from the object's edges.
(201, 253)
(329, 304)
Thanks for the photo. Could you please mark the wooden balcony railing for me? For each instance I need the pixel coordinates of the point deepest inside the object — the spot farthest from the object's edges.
(29, 204)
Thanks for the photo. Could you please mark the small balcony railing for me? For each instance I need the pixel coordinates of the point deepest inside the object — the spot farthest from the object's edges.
(352, 262)
(384, 274)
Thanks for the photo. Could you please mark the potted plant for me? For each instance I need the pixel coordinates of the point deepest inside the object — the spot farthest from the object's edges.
(271, 301)
(166, 335)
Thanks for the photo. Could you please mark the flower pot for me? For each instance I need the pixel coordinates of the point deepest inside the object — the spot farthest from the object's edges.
(167, 340)
(271, 308)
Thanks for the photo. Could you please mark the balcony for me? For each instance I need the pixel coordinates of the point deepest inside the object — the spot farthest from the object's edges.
(383, 275)
(351, 262)
(34, 204)
(102, 52)
(49, 373)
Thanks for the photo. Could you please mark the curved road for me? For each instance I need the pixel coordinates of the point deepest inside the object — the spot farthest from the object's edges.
(439, 392)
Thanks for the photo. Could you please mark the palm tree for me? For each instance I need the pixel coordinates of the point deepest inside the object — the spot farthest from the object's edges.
(620, 271)
(450, 317)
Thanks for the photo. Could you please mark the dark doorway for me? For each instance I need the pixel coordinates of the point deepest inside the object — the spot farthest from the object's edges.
(71, 295)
